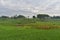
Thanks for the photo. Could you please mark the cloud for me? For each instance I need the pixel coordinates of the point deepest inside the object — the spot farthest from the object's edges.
(34, 6)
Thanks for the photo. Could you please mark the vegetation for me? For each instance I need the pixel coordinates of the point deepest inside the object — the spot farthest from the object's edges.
(42, 16)
(22, 28)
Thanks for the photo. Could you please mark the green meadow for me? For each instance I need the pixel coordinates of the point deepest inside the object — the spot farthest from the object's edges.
(29, 29)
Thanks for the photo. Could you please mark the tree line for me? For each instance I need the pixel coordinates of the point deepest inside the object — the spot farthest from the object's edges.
(46, 16)
(40, 16)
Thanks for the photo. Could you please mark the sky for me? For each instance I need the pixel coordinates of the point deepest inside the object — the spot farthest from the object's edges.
(29, 7)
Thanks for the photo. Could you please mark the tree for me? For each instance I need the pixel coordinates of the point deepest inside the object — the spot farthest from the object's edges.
(56, 17)
(34, 17)
(42, 16)
(4, 17)
(20, 16)
(15, 16)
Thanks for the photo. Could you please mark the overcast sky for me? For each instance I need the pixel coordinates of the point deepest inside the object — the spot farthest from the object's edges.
(51, 7)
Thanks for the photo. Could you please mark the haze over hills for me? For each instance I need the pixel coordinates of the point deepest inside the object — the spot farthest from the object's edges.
(29, 7)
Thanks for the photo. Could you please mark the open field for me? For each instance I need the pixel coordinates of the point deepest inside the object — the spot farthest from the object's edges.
(29, 34)
(28, 29)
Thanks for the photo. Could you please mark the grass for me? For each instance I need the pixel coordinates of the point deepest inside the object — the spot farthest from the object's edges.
(29, 34)
(24, 29)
